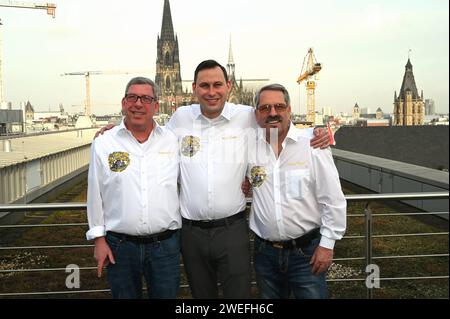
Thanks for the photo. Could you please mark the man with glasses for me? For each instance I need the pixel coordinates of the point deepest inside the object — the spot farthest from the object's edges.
(132, 203)
(298, 209)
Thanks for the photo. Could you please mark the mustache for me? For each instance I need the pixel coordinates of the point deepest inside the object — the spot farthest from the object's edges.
(274, 118)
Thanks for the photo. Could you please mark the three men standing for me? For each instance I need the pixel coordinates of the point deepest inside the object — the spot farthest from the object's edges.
(139, 208)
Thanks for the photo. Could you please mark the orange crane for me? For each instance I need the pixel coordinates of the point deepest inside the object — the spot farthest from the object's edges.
(87, 75)
(50, 7)
(309, 70)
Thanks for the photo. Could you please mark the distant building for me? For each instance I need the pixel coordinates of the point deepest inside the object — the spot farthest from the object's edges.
(371, 122)
(238, 94)
(364, 110)
(29, 112)
(327, 111)
(440, 120)
(408, 106)
(356, 112)
(168, 74)
(107, 119)
(430, 108)
(11, 121)
(379, 114)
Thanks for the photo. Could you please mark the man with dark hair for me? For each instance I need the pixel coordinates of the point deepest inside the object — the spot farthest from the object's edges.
(132, 204)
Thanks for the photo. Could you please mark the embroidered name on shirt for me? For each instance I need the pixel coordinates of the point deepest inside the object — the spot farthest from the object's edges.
(230, 137)
(190, 145)
(297, 164)
(118, 161)
(166, 153)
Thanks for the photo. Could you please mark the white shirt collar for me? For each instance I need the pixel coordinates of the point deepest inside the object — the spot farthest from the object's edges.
(156, 128)
(293, 133)
(226, 112)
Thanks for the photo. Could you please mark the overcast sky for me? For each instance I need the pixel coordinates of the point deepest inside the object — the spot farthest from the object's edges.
(362, 45)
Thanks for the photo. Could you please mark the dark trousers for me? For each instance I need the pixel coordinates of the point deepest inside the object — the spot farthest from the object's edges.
(218, 254)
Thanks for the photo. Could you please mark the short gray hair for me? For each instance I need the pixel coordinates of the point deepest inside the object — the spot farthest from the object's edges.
(273, 87)
(142, 80)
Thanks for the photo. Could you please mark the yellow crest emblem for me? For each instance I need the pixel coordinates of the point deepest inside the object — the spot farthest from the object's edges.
(190, 145)
(257, 176)
(118, 161)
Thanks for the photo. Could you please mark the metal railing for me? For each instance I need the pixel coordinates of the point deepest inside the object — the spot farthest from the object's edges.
(368, 237)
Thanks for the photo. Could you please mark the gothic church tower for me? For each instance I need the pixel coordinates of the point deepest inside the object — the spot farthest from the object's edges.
(168, 76)
(408, 106)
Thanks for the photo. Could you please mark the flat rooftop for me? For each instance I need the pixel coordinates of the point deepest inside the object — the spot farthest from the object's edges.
(431, 176)
(28, 148)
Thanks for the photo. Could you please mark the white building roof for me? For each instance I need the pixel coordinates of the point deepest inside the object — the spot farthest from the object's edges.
(25, 149)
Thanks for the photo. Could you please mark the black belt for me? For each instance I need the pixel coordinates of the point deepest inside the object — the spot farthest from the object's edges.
(300, 242)
(146, 239)
(215, 222)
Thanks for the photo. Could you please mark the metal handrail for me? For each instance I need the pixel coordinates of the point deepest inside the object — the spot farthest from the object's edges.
(349, 198)
(12, 208)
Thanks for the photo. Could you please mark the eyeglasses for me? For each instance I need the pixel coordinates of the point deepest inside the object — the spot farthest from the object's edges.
(266, 108)
(145, 99)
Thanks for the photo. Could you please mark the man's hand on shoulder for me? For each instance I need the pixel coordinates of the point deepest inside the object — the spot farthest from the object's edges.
(103, 130)
(321, 138)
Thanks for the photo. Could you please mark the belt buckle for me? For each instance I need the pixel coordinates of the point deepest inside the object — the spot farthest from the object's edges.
(278, 245)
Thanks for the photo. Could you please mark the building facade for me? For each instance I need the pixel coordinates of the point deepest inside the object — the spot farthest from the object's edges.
(238, 93)
(408, 105)
(430, 108)
(168, 74)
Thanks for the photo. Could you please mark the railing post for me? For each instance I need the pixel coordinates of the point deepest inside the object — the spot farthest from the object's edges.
(368, 242)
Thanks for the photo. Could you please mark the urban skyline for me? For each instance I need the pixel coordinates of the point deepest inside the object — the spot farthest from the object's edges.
(363, 48)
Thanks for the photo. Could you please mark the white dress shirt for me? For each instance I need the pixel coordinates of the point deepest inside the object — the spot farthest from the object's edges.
(296, 192)
(132, 187)
(213, 160)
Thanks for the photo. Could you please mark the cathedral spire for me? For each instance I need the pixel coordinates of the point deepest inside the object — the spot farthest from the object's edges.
(230, 65)
(409, 84)
(168, 75)
(167, 26)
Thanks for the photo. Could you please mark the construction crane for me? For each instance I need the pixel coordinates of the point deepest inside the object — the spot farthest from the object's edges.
(50, 7)
(87, 75)
(309, 70)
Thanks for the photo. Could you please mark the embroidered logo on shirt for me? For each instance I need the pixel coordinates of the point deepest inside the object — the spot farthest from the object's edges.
(190, 145)
(257, 176)
(118, 161)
